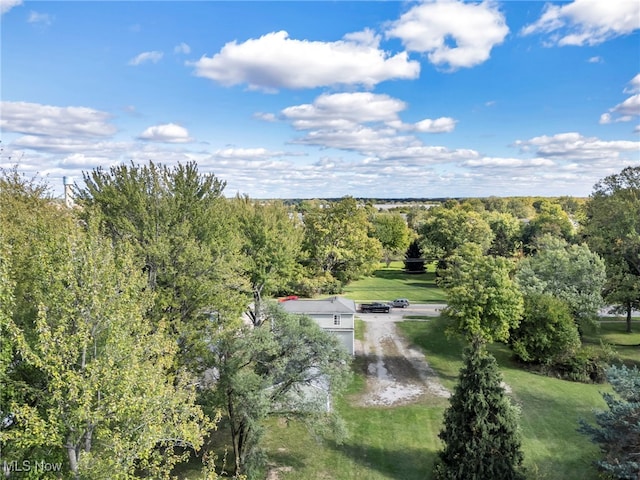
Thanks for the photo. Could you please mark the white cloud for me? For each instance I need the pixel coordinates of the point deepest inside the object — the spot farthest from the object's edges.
(634, 85)
(432, 26)
(6, 5)
(47, 120)
(595, 60)
(276, 61)
(167, 133)
(574, 146)
(330, 110)
(42, 18)
(439, 125)
(267, 117)
(605, 119)
(182, 48)
(509, 162)
(586, 22)
(153, 57)
(629, 108)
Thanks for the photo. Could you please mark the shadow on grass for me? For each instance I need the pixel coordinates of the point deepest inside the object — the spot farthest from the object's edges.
(392, 462)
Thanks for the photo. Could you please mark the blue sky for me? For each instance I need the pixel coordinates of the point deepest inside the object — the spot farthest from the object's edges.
(325, 99)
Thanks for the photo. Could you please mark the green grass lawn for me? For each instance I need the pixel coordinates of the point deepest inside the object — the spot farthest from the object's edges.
(389, 283)
(626, 346)
(402, 443)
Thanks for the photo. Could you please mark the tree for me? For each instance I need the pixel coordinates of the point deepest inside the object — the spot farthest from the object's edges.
(480, 432)
(549, 219)
(413, 261)
(269, 370)
(337, 241)
(482, 298)
(618, 429)
(393, 233)
(571, 273)
(109, 400)
(446, 229)
(547, 333)
(612, 229)
(187, 237)
(272, 242)
(507, 234)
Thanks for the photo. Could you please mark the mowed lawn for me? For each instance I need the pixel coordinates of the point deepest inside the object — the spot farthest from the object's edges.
(402, 442)
(389, 283)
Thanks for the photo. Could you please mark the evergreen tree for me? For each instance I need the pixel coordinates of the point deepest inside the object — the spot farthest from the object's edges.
(413, 261)
(480, 426)
(618, 430)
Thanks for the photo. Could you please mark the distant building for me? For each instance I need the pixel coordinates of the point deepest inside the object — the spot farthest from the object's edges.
(334, 314)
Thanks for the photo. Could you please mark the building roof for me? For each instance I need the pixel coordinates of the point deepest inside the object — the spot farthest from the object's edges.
(328, 305)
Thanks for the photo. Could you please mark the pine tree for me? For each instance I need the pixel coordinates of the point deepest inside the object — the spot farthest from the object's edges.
(618, 429)
(413, 261)
(480, 426)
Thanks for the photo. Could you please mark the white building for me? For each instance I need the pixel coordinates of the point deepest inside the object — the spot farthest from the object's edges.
(334, 314)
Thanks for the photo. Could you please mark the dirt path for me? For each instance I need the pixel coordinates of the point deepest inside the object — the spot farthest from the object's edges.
(397, 374)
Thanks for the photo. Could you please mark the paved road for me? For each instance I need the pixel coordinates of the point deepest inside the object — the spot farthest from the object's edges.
(416, 309)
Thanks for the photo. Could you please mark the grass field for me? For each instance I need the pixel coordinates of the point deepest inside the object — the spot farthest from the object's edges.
(402, 443)
(389, 283)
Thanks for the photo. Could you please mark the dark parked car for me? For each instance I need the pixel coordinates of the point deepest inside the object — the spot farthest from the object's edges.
(376, 307)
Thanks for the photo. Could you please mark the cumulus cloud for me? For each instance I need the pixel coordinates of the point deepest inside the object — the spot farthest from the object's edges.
(48, 120)
(595, 60)
(573, 146)
(182, 48)
(276, 61)
(634, 85)
(146, 57)
(166, 133)
(439, 125)
(453, 34)
(586, 22)
(6, 5)
(341, 109)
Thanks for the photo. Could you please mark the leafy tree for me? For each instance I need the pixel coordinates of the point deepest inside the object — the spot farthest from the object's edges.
(186, 235)
(337, 241)
(276, 369)
(272, 242)
(612, 229)
(547, 333)
(520, 207)
(482, 298)
(549, 219)
(480, 432)
(571, 273)
(108, 400)
(618, 429)
(413, 261)
(507, 234)
(446, 229)
(393, 233)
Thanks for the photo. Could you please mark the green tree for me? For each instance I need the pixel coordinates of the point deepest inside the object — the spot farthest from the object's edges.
(413, 261)
(549, 219)
(277, 369)
(483, 300)
(507, 234)
(480, 432)
(272, 242)
(187, 236)
(108, 399)
(612, 229)
(337, 241)
(547, 333)
(571, 273)
(446, 229)
(393, 233)
(618, 429)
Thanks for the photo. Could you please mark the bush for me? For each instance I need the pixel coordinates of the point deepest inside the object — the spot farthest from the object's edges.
(547, 334)
(588, 365)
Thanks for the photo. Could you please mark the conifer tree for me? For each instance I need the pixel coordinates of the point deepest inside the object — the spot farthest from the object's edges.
(480, 430)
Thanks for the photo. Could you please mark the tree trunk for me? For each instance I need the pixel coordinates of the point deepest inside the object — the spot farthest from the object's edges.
(628, 317)
(73, 458)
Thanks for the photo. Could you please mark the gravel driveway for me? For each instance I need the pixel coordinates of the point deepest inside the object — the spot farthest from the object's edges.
(397, 374)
